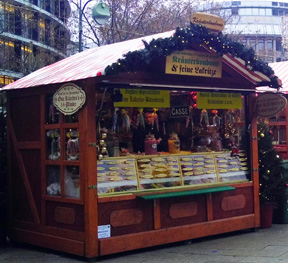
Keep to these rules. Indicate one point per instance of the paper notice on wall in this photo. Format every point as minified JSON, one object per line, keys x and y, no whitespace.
{"x":144,"y":98}
{"x":104,"y":231}
{"x":219,"y":100}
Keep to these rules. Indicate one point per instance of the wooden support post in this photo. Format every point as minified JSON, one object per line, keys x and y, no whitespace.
{"x":209,"y":207}
{"x":254,"y":157}
{"x":157,"y":214}
{"x":87,"y":131}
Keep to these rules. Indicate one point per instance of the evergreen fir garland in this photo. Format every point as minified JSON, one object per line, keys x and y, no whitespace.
{"x":183,"y":39}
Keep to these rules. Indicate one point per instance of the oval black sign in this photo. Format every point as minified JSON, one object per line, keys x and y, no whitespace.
{"x":269,"y":104}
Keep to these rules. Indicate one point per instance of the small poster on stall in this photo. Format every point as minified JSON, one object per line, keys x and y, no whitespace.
{"x":104,"y":231}
{"x":144,"y":98}
{"x":194,"y":63}
{"x":69,"y":98}
{"x":219,"y":100}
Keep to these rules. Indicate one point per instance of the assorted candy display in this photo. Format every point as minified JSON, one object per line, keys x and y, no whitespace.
{"x":117,"y":175}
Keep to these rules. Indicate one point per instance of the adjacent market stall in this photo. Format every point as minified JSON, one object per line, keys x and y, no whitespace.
{"x":78,"y":182}
{"x":279,"y":122}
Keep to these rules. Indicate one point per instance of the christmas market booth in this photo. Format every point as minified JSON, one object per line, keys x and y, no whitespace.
{"x":279,"y":122}
{"x":110,"y":153}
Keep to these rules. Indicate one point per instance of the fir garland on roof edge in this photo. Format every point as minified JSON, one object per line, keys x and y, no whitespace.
{"x":182,"y":39}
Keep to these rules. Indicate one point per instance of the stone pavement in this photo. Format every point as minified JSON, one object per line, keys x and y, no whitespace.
{"x":261,"y":246}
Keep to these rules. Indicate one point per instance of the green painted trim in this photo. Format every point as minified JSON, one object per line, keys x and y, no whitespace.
{"x":185,"y":193}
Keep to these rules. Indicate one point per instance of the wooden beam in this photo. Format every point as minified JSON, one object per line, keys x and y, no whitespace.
{"x":29,"y":145}
{"x":48,"y":241}
{"x":174,"y":234}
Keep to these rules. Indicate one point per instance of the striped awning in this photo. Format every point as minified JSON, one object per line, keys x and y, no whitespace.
{"x":281,"y":71}
{"x":92,"y":63}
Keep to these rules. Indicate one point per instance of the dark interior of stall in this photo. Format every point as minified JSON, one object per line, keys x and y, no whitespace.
{"x":199,"y":130}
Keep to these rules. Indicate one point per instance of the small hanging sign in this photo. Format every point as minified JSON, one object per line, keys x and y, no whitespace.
{"x":178,"y":112}
{"x":194,"y":63}
{"x":210,"y":21}
{"x":269,"y":104}
{"x":69,"y":98}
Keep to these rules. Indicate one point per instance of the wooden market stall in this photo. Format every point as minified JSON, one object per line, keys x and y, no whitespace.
{"x":279,"y":122}
{"x":66,"y":191}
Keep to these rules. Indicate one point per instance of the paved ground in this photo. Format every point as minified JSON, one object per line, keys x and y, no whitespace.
{"x":262,"y":246}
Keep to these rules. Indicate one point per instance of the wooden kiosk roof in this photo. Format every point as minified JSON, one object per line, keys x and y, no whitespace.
{"x":91,"y":63}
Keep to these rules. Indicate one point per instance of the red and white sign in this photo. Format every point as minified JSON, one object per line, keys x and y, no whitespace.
{"x":268,"y":104}
{"x":69,"y":98}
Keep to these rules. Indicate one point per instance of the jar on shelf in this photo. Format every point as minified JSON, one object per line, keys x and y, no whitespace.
{"x":216,"y":143}
{"x":174,"y":143}
{"x":150,"y":144}
{"x":113,"y":145}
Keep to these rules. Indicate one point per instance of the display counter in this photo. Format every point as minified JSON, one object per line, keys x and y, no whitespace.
{"x":134,"y":174}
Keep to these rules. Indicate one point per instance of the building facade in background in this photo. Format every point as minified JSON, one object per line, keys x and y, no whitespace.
{"x":33,"y":34}
{"x":262,"y":25}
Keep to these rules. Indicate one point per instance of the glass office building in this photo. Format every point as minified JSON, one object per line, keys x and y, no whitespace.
{"x":262,"y":25}
{"x":33,"y":34}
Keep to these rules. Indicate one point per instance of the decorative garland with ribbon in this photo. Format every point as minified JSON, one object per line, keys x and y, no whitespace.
{"x":183,"y":39}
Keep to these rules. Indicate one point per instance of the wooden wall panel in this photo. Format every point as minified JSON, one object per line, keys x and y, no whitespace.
{"x":57,"y":216}
{"x":223,"y":207}
{"x":32,"y":162}
{"x":19,"y":205}
{"x":183,"y":210}
{"x":126,"y":217}
{"x":143,"y":209}
{"x":64,"y":215}
{"x":25,"y":117}
{"x":25,"y":173}
{"x":186,"y":209}
{"x":230,"y":203}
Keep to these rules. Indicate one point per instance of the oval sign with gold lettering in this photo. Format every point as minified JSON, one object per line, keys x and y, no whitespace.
{"x":69,"y":98}
{"x":212,"y":22}
{"x":268,"y":104}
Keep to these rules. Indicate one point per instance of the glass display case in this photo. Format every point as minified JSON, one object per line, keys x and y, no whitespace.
{"x":116,"y":175}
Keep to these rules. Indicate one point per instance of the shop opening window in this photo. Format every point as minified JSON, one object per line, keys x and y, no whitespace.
{"x":72,"y":144}
{"x":180,"y":144}
{"x":52,"y":114}
{"x":72,"y":182}
{"x":53,"y":175}
{"x":53,"y":150}
{"x":62,"y":154}
{"x":73,"y":118}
